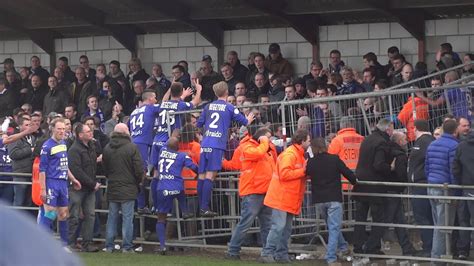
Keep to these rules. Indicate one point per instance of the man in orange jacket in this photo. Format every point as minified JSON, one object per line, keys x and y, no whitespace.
{"x":258,"y":166}
{"x":285,"y":196}
{"x":346,"y":145}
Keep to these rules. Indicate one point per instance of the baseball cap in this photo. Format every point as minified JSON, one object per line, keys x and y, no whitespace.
{"x":207,"y":58}
{"x":274,"y":48}
{"x":8,"y":61}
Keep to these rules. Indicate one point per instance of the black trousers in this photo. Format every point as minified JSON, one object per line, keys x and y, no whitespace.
{"x":371,"y":241}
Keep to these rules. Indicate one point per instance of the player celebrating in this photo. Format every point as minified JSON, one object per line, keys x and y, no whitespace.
{"x":141,"y":124}
{"x":217,"y":117}
{"x":175,"y":104}
{"x":53,"y":178}
{"x":171,"y":185}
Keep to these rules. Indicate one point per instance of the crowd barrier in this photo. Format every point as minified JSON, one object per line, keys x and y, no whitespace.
{"x":307,"y":227}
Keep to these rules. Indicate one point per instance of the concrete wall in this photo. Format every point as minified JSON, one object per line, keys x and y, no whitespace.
{"x":352,"y":40}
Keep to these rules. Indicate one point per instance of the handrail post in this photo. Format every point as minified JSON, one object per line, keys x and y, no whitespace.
{"x":446,"y":221}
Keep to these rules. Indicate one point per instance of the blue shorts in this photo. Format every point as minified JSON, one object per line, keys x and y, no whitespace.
{"x":57,"y":193}
{"x":144,"y":153}
{"x":155,"y":153}
{"x":165,"y":199}
{"x":210,"y":160}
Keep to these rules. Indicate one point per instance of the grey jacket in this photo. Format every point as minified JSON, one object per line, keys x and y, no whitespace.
{"x":21,"y":154}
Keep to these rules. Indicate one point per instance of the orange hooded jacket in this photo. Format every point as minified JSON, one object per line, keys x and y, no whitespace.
{"x":286,"y":190}
{"x":193,"y":150}
{"x":406,"y":115}
{"x":258,"y":166}
{"x":235,"y":163}
{"x":346,"y":145}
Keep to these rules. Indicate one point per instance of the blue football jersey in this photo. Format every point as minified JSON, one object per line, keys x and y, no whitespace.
{"x":217,"y":118}
{"x":141,"y":123}
{"x":5,"y":161}
{"x":170,"y":166}
{"x":53,"y":159}
{"x":176,"y":121}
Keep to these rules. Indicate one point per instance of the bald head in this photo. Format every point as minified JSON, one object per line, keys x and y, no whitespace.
{"x":304,"y":122}
{"x":121,"y":128}
{"x":173,"y":143}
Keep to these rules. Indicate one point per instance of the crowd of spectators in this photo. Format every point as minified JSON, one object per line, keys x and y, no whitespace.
{"x":96,"y":100}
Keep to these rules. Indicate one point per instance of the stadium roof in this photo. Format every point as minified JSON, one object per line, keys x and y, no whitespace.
{"x":43,"y":21}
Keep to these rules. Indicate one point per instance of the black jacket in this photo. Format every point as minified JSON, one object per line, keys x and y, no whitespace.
{"x":35,"y":97}
{"x":416,"y":164}
{"x":82,"y":161}
{"x":325,"y":171}
{"x":399,"y":173}
{"x":21,"y":155}
{"x":374,"y":165}
{"x":463,"y":165}
{"x":123,"y":168}
{"x":240,"y":71}
{"x":7,"y":103}
{"x":55,"y":101}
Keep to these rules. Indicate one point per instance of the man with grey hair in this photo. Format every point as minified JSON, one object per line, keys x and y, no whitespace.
{"x":375,"y":165}
{"x":394,"y":212}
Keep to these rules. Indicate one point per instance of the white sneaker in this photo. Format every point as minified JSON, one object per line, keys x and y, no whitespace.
{"x":139,"y":249}
{"x":67,"y":249}
{"x":117,"y":247}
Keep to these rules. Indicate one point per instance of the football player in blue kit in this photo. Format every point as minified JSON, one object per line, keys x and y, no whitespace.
{"x":53,"y":178}
{"x":216,"y":118}
{"x":175,"y":104}
{"x":171,"y":184}
{"x":141,"y":124}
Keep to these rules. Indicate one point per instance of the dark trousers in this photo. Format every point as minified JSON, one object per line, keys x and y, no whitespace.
{"x":372,"y":241}
{"x":465,"y":218}
{"x":394,"y":214}
{"x":423,"y":216}
{"x":85,"y":201}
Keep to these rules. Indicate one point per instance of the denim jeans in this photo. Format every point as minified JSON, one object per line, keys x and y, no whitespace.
{"x":439,"y":214}
{"x":84,"y":200}
{"x":252,"y":207}
{"x":6,"y":193}
{"x":423,"y":216}
{"x":127,"y":208}
{"x":332,"y":214}
{"x":20,"y":191}
{"x":277,"y":239}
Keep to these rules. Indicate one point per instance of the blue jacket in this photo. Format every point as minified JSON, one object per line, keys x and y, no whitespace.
{"x":439,"y":158}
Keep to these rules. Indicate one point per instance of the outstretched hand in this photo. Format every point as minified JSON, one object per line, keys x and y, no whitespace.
{"x":250,"y":117}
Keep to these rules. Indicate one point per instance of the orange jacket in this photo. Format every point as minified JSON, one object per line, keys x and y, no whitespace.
{"x":35,"y":184}
{"x":235,"y":163}
{"x":258,"y":167}
{"x":193,"y":149}
{"x":406,"y":115}
{"x":346,"y":145}
{"x":286,"y":190}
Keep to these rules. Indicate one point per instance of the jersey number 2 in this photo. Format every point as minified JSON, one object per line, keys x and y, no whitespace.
{"x":215,"y":118}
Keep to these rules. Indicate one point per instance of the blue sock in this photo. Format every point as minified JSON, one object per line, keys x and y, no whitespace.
{"x":161,"y":233}
{"x":45,"y":222}
{"x":153,"y":186}
{"x":206,"y":194}
{"x":199,"y":191}
{"x":63,"y":231}
{"x":183,"y":206}
{"x":141,"y":198}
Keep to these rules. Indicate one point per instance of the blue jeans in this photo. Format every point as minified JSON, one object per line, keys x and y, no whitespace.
{"x":439,"y":214}
{"x":423,"y":216}
{"x":127,"y":208}
{"x":20,"y":191}
{"x":252,"y":206}
{"x":277,"y":239}
{"x":332,"y":213}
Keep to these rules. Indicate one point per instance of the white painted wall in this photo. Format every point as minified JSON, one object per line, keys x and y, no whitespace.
{"x":168,"y":48}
